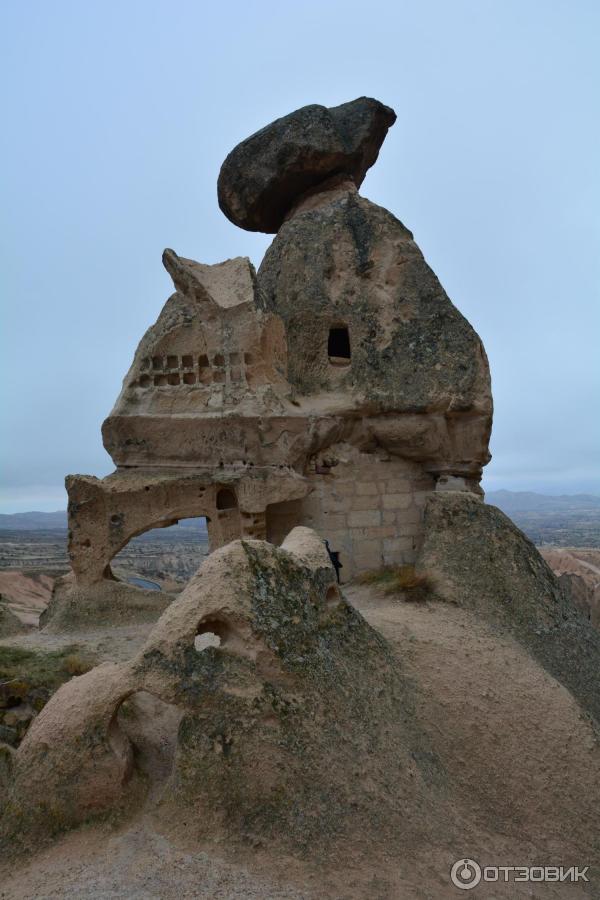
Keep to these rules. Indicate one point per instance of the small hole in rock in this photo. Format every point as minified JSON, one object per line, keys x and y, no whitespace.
{"x":211,"y":633}
{"x":206,"y":640}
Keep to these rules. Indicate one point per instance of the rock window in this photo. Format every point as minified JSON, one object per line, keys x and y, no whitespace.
{"x":338,"y":346}
{"x":187,"y":361}
{"x":211,"y":633}
{"x":172,"y":362}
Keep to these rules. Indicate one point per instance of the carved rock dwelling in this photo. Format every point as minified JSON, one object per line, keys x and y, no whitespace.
{"x":334,"y":388}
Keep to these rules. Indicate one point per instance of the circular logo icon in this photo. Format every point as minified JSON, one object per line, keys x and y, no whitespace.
{"x":465,"y":874}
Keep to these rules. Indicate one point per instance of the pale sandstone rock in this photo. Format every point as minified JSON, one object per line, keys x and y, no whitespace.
{"x":578,"y":571}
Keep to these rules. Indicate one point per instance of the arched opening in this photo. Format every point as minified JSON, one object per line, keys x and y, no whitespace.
{"x":226,"y":499}
{"x":338,"y":345}
{"x":163,"y":558}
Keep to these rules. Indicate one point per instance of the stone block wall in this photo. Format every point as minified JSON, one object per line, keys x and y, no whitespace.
{"x":368,"y":506}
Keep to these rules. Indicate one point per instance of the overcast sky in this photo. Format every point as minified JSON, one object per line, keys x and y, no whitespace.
{"x":117,"y":115}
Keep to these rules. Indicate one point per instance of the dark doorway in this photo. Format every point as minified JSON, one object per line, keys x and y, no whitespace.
{"x":226,"y":499}
{"x":338,"y":346}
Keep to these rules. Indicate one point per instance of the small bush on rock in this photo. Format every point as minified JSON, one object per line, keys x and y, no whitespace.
{"x":413,"y":586}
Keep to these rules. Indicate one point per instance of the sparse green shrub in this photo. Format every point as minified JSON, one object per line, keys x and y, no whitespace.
{"x":414,"y":586}
{"x":28,"y":678}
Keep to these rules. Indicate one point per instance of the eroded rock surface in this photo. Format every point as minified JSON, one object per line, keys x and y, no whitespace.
{"x":295,"y":716}
{"x":333,"y":389}
{"x":480,"y":560}
{"x":578,"y":571}
{"x":265,"y":175}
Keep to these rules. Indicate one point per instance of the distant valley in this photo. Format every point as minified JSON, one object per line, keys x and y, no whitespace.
{"x":559,"y":521}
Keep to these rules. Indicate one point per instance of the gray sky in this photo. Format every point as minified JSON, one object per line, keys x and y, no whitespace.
{"x":117,"y":116}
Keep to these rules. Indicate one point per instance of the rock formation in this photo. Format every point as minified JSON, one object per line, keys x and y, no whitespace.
{"x":254,"y":655}
{"x":338,"y":388}
{"x":280,"y":719}
{"x":478,"y":559}
{"x":335,"y":388}
{"x":578,"y":571}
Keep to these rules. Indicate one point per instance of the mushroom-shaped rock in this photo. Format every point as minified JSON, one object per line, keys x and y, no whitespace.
{"x":266,"y":175}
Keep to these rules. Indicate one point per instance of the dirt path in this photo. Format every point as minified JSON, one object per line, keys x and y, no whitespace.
{"x":136,"y":864}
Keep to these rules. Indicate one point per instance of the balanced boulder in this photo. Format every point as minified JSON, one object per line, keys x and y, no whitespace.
{"x":265,"y":176}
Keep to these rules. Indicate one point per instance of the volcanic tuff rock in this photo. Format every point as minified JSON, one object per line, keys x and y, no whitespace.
{"x":254,"y":655}
{"x":338,"y":388}
{"x":411,"y":349}
{"x":578,"y":571}
{"x":265,"y":175}
{"x":334,"y":389}
{"x":478,"y":559}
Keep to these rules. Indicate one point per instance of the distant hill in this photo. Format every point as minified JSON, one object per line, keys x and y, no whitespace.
{"x":53,"y":521}
{"x":34,"y":521}
{"x":568,"y":520}
{"x":527,"y":501}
